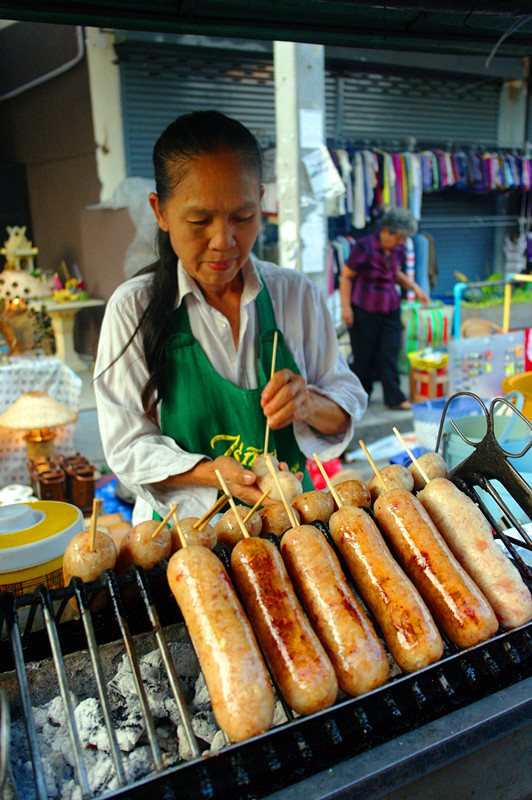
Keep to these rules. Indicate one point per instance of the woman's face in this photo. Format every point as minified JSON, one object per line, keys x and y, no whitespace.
{"x":213,"y":218}
{"x":389,"y":240}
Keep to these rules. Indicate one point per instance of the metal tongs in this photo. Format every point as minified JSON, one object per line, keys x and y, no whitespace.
{"x":491,"y":461}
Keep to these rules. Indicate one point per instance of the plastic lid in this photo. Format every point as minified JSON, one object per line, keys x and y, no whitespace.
{"x":18,"y":517}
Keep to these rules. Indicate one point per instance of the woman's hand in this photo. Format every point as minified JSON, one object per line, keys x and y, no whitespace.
{"x":420,"y":294}
{"x":240,"y":481}
{"x":348,"y":317}
{"x":285,"y":399}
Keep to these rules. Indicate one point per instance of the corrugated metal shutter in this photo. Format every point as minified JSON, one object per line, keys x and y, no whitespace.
{"x":161,"y":81}
{"x":393,"y":108}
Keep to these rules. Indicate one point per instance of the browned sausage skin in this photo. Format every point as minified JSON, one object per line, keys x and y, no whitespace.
{"x":468,"y":534}
{"x":139,"y":546}
{"x":456,"y":602}
{"x":353,"y":493}
{"x":432,"y":464}
{"x":344,"y":630}
{"x":235,"y":673}
{"x":88,"y":565}
{"x":313,"y":506}
{"x":395,"y":476}
{"x":405,"y":621}
{"x":297,"y":659}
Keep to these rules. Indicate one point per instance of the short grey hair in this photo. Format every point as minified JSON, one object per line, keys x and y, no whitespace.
{"x":399,"y":220}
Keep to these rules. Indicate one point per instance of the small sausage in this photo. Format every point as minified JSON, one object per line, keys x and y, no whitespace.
{"x":206,"y":537}
{"x":432,"y":464}
{"x":235,"y":673}
{"x":80,"y":562}
{"x":453,"y":598}
{"x":275,"y":519}
{"x":395,"y":476}
{"x":312,"y":506}
{"x":290,"y":484}
{"x":468,"y":534}
{"x":228,"y":530}
{"x":342,"y":626}
{"x":405,"y":621}
{"x":353,"y":493}
{"x":296,"y":657}
{"x":139,"y":546}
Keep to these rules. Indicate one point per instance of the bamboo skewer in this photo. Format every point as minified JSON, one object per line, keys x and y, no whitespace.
{"x":96,"y":506}
{"x":373,"y":465}
{"x":271,"y":376}
{"x":257,"y":504}
{"x":163,"y":522}
{"x":288,"y":508}
{"x":327,"y":480}
{"x":179,"y":529}
{"x":412,"y":456}
{"x":223,"y":484}
{"x":205,"y":519}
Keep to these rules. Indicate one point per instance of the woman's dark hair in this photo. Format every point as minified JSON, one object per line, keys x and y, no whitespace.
{"x":184,"y":140}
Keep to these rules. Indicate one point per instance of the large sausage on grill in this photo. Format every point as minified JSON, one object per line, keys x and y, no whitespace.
{"x":234,"y":670}
{"x":468,"y":533}
{"x":453,"y":598}
{"x":297,"y":659}
{"x":344,"y":630}
{"x":405,"y":621}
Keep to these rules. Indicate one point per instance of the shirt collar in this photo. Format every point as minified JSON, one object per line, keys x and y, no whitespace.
{"x":187,"y":285}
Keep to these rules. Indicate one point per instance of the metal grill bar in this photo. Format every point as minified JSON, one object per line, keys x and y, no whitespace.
{"x":100,"y":683}
{"x":53,"y":637}
{"x":135,"y":669}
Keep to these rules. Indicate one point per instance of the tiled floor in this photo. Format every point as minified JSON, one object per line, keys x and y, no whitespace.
{"x":376,"y":424}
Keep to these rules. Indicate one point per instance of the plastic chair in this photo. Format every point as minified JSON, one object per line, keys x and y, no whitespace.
{"x":522,"y":383}
{"x":476,"y":326}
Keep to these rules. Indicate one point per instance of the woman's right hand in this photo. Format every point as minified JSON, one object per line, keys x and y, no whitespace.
{"x":348,"y":317}
{"x":240,"y":481}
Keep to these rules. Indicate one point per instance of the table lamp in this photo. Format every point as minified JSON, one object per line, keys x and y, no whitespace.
{"x":38,"y":414}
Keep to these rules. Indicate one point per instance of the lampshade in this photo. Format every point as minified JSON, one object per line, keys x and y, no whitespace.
{"x":37,"y":410}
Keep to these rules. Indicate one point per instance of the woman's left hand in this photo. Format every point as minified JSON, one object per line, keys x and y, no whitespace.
{"x":421,"y":295}
{"x":285,"y":399}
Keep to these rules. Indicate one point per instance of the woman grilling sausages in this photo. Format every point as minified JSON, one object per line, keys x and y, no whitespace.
{"x":186,"y":345}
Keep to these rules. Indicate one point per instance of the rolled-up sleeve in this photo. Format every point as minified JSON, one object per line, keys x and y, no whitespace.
{"x":136,"y":450}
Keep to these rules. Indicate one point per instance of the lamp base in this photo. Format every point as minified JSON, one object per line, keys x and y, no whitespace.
{"x":40,"y":443}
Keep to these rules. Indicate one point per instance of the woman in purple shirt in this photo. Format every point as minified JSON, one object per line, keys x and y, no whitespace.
{"x":370,"y":303}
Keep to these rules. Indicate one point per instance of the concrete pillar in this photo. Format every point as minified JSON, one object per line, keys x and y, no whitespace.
{"x":300,"y":129}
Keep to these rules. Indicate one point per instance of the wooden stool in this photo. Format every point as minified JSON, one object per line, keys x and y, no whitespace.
{"x":428,"y":384}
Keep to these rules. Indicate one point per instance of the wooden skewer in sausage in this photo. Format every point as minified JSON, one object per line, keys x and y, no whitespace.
{"x":228,"y":529}
{"x":224,"y":642}
{"x":336,"y":615}
{"x":404,"y":619}
{"x":88,"y":554}
{"x":468,"y":534}
{"x":301,"y":668}
{"x":145,"y":544}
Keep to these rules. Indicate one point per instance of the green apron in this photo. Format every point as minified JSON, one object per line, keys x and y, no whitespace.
{"x":205,"y":413}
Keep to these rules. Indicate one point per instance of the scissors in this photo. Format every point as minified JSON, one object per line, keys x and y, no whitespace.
{"x":490,"y":460}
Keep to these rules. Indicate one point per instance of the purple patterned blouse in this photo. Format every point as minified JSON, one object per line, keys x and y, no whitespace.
{"x":374,"y":287}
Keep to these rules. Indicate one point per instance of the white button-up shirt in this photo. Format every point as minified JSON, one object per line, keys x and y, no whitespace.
{"x":137,"y":451}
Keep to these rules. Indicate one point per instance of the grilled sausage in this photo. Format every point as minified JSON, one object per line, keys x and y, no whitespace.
{"x":432,"y":464}
{"x":275,"y":519}
{"x":313,"y":506}
{"x":139,"y":546}
{"x":297,"y":659}
{"x":468,"y":534}
{"x":395,"y":476}
{"x":353,"y":493}
{"x":290,"y":484}
{"x":80,"y":562}
{"x":452,"y":596}
{"x":234,"y":670}
{"x":405,"y":621}
{"x":344,"y":630}
{"x":206,"y":537}
{"x":227,"y":529}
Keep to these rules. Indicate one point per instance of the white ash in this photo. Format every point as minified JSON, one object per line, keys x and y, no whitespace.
{"x":54,"y":739}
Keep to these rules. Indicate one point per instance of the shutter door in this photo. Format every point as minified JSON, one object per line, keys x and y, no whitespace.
{"x":160,"y":82}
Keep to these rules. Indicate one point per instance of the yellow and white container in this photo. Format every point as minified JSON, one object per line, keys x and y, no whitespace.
{"x":33,"y":539}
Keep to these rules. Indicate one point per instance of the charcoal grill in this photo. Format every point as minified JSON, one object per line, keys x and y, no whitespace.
{"x":363,"y":746}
